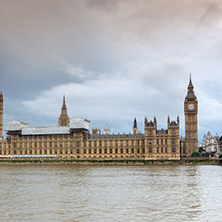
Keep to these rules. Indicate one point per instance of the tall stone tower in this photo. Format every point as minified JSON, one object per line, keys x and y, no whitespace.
{"x":64,"y":119}
{"x":1,"y":114}
{"x":190,"y":111}
{"x":135,"y":128}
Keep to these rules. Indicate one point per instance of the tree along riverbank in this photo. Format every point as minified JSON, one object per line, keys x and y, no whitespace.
{"x":186,"y":161}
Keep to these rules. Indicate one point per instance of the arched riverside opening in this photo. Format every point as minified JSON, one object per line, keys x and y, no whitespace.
{"x":220,"y":159}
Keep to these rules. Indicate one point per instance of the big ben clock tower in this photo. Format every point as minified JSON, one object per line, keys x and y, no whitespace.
{"x":190,"y":110}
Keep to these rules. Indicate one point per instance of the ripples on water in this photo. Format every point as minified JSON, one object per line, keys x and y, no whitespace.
{"x":110,"y":193}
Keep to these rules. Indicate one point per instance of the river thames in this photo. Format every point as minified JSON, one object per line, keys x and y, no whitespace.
{"x":110,"y":193}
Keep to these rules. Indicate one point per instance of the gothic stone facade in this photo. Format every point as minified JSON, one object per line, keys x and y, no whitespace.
{"x":79,"y":143}
{"x":72,"y":139}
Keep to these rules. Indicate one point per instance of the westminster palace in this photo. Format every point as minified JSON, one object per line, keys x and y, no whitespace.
{"x":72,"y":138}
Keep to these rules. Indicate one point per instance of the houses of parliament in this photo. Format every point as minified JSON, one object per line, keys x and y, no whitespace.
{"x":73,"y":139}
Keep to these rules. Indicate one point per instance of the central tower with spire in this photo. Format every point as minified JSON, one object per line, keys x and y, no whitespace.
{"x":190,"y":111}
{"x":135,"y":128}
{"x":64,"y":119}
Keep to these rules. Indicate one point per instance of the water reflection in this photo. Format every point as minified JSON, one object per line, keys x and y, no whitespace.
{"x":110,"y":193}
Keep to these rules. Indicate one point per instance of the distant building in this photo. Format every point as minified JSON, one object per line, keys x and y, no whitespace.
{"x":106,"y":131}
{"x":211,"y":144}
{"x":220,"y":144}
{"x":72,"y":137}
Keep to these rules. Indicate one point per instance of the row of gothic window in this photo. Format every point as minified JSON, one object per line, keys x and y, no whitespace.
{"x":90,"y":151}
{"x":61,"y":144}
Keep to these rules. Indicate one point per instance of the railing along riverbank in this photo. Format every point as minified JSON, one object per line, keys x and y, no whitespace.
{"x":116,"y":161}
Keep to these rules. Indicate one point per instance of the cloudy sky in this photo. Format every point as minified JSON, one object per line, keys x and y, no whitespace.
{"x":113,"y":59}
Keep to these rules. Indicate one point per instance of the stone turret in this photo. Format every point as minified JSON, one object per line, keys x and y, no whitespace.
{"x":96,"y":131}
{"x":155,"y":122}
{"x":135,"y":128}
{"x":64,"y":119}
{"x":106,"y":131}
{"x":168,"y":121}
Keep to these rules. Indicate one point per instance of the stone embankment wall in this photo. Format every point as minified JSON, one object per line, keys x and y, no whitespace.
{"x":184,"y":161}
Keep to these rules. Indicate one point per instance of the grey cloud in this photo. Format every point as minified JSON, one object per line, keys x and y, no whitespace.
{"x":107,"y":5}
{"x":121,"y":59}
{"x":118,"y":96}
{"x":212,"y":14}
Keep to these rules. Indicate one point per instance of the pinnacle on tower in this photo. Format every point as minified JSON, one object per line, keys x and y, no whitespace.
{"x":154,"y":120}
{"x":190,"y":83}
{"x":190,"y":90}
{"x":135,"y":123}
{"x":145,"y":121}
{"x":64,"y":109}
{"x":64,"y":119}
{"x":135,"y":129}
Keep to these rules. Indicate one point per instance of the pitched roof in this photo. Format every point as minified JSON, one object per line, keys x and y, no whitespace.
{"x":190,"y":83}
{"x":191,"y":95}
{"x":45,"y":130}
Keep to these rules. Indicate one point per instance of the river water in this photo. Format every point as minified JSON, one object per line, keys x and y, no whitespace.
{"x":110,"y":193}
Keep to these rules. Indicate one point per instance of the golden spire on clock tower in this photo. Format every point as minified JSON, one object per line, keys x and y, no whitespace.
{"x":64,"y":119}
{"x":190,"y":86}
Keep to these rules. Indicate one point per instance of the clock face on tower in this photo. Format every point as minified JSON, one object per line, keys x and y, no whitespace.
{"x":191,"y":106}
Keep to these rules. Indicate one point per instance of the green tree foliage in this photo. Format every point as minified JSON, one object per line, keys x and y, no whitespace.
{"x":200,"y":149}
{"x":196,"y":153}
